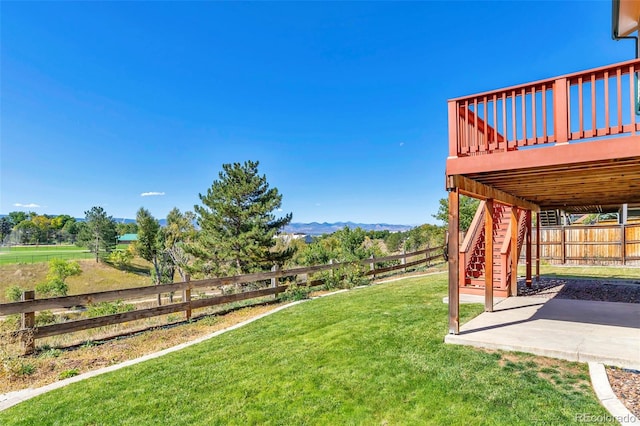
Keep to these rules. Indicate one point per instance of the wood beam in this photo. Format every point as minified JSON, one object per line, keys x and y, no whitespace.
{"x":514,"y":252}
{"x":538,"y":247}
{"x":488,"y":255}
{"x":615,"y":149}
{"x":454,"y":256}
{"x":528,"y":247}
{"x":479,"y":190}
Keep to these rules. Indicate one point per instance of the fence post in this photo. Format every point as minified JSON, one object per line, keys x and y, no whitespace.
{"x":274,"y":280}
{"x":332,"y":269}
{"x":186,"y":297}
{"x":623,"y":242}
{"x":372,"y":266}
{"x":403,"y":261}
{"x":563,"y":247}
{"x":27,"y":325}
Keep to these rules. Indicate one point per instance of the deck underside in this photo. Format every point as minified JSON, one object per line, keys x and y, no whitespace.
{"x":554,"y":178}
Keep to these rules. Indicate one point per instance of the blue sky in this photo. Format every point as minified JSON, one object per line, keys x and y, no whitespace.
{"x":343,"y":104}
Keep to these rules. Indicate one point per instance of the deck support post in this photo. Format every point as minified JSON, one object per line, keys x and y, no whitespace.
{"x":538,"y":247}
{"x":528,"y":247}
{"x":453,"y":250}
{"x":488,"y":255}
{"x":513,"y":285}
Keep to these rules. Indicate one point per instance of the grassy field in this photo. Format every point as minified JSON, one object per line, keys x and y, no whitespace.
{"x":369,"y":356}
{"x":94,"y":277}
{"x":39,"y":254}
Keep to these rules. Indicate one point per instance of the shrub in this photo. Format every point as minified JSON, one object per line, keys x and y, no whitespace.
{"x":44,"y":318}
{"x":52,"y":287}
{"x":47,"y":351}
{"x":109,"y":308}
{"x":295,"y":292}
{"x":120,"y":258}
{"x":345,"y":276}
{"x":16,"y":367}
{"x":60,"y":269}
{"x":68,"y":373}
{"x":353,"y":275}
{"x":10,"y":323}
{"x":14,"y":293}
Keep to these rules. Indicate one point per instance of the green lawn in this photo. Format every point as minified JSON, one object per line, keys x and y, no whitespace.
{"x":36,"y":254}
{"x":366,"y":357}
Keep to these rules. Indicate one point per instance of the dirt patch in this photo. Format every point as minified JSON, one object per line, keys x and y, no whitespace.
{"x":568,"y":375}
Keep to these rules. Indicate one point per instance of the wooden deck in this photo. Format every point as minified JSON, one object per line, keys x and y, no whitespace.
{"x":570,"y":142}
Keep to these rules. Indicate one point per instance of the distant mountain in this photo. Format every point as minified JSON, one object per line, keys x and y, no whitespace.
{"x":315,"y":228}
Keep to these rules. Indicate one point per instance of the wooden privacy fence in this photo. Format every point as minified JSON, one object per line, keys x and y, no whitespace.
{"x":29,"y":305}
{"x":590,"y":245}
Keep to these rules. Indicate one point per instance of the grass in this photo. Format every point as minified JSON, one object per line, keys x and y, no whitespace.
{"x":369,"y":356}
{"x":562,"y":271}
{"x":37,"y":254}
{"x":94,"y":277}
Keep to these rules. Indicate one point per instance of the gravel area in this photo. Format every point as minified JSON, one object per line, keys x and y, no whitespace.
{"x":625,"y":383}
{"x":626,"y":291}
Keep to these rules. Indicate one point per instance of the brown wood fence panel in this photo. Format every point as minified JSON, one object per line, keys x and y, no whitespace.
{"x":590,"y":245}
{"x":632,"y":238}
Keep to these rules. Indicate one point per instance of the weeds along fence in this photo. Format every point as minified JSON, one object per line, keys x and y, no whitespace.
{"x":301,"y":277}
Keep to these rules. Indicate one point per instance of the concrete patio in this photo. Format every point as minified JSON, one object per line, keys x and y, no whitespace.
{"x":575,"y":330}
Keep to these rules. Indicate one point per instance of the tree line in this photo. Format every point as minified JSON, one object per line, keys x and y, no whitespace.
{"x":232,"y":231}
{"x":20,"y":227}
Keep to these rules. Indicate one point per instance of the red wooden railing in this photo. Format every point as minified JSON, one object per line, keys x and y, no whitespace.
{"x":585,"y":105}
{"x":474,"y":235}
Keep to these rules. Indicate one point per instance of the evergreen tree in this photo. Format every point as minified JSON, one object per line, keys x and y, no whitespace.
{"x":98,"y":233}
{"x":5,"y":228}
{"x":237,"y":223}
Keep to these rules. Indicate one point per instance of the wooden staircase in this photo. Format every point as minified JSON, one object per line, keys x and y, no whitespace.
{"x":473,"y":251}
{"x":549,"y":218}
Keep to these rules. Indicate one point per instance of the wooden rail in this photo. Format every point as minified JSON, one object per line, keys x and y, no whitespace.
{"x":29,"y":305}
{"x":590,"y":104}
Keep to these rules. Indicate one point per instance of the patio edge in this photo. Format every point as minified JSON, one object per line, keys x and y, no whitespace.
{"x":607,"y":398}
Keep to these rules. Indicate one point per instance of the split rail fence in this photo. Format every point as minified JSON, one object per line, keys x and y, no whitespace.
{"x":29,"y":305}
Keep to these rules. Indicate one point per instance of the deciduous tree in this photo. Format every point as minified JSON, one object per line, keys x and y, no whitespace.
{"x":150,"y":246}
{"x":179,"y":232}
{"x":468,"y":207}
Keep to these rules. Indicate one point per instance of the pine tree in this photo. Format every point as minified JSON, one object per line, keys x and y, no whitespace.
{"x":237,"y":223}
{"x":98,"y":232}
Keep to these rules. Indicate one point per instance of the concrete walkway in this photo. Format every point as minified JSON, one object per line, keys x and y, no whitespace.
{"x":575,"y":330}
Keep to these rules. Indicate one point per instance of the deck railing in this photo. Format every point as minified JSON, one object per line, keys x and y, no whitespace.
{"x":590,"y":104}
